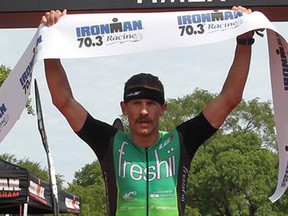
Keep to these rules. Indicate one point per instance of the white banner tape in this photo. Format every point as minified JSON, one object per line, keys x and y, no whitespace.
{"x":94,"y":35}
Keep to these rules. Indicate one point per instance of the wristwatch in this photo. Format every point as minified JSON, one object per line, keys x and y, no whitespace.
{"x":248,"y":41}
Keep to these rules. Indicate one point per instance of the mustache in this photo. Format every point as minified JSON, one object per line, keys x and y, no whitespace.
{"x":143,"y":119}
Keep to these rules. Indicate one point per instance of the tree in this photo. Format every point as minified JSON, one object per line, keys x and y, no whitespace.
{"x":4,"y":72}
{"x":236,"y":170}
{"x":89,"y":184}
{"x":254,"y":116}
{"x":248,"y":116}
{"x":90,"y":174}
{"x":34,"y":168}
{"x":182,"y":109}
{"x":233,"y":173}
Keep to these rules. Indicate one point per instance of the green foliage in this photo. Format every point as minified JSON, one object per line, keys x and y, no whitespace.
{"x":9,"y":158}
{"x":90,"y":174}
{"x":34,"y":168}
{"x":182,"y":109}
{"x":254,"y":116}
{"x":192,"y":211}
{"x":4,"y":72}
{"x":235,"y":172}
{"x":233,"y":175}
{"x":92,"y":199}
{"x":89,"y":184}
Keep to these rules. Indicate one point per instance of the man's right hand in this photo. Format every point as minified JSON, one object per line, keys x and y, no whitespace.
{"x":52,"y":17}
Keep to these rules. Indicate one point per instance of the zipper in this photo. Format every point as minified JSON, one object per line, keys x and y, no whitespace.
{"x":147,"y":182}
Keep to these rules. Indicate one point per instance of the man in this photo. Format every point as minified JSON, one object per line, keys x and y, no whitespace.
{"x":146,"y":171}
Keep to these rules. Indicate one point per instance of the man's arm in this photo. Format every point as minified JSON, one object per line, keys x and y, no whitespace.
{"x":230,"y":96}
{"x":58,"y":83}
{"x":62,"y":96}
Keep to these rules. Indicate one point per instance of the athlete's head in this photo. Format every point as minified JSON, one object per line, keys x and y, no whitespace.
{"x":143,"y":104}
{"x":144,"y":86}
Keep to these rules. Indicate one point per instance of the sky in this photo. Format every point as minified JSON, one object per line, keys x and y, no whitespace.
{"x":98,"y":83}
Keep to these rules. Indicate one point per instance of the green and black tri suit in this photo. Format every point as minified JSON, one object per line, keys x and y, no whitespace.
{"x":146,"y":181}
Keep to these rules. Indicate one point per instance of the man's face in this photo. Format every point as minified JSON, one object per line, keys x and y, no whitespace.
{"x":143,"y":116}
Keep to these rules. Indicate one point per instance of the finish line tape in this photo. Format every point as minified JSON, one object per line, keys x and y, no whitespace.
{"x":95,"y":35}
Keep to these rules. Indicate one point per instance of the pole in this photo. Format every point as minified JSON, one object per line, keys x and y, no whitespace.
{"x":42,"y":131}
